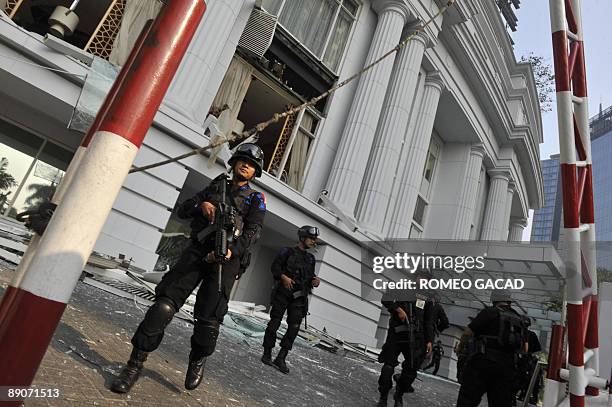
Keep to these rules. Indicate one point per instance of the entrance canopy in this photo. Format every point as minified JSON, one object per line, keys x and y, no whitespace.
{"x":535,"y":271}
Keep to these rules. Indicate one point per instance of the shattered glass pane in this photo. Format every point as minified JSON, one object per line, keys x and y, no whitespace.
{"x":48,"y":172}
{"x":100,"y":78}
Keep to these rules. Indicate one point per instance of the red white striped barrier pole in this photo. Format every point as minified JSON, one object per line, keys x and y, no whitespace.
{"x":30,"y":313}
{"x":72,"y":169}
{"x":554,"y":389}
{"x":579,"y":219}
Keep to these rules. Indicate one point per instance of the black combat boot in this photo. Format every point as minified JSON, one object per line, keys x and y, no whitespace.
{"x":396,"y":377}
{"x":267,"y":356}
{"x":382,"y":401}
{"x":279,"y":362}
{"x":397,"y":396}
{"x":130,"y":373}
{"x":195,"y":371}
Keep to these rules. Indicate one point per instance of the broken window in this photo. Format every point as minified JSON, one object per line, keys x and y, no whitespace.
{"x":104,"y":28}
{"x":321,"y":26}
{"x":286,"y":144}
{"x":30,"y":169}
{"x":291,"y":153}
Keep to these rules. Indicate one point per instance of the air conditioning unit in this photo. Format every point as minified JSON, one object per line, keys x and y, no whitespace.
{"x":259,"y":32}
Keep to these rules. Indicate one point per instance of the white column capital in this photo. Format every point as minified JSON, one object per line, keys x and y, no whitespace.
{"x":515,"y":231}
{"x":497,"y":173}
{"x":511,"y":186}
{"x":398,"y":6}
{"x":434,"y":79}
{"x":518,"y":221}
{"x":478,"y":149}
{"x":420,"y":36}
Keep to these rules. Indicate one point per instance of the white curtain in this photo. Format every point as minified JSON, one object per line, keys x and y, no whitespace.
{"x":299,"y":153}
{"x":234,"y":87}
{"x":135,"y":15}
{"x":309,"y":21}
{"x":338,"y":40}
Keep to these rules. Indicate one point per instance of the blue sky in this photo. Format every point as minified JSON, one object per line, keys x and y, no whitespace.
{"x":533,"y":35}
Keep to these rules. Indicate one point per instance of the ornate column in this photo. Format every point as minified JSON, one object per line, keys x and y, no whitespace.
{"x":517,"y":225}
{"x":349,"y":164}
{"x":188,"y":89}
{"x":495,"y":210}
{"x":413,"y":158}
{"x":389,"y":134}
{"x":506,"y":222}
{"x":468,"y":193}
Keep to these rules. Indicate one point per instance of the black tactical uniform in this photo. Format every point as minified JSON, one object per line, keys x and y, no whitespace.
{"x":499,"y":335}
{"x":407,"y":337}
{"x":526,"y":368}
{"x":439,"y":316}
{"x":191,"y":270}
{"x":438,"y":352}
{"x":299,"y":265}
{"x":183,"y":278}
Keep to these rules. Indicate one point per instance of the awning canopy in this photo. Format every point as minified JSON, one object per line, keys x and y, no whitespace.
{"x":538,"y":265}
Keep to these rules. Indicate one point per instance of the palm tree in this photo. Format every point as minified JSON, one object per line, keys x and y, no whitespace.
{"x":6,"y":180}
{"x":40,"y":193}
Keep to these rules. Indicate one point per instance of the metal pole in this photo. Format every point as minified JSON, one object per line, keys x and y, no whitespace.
{"x":532,"y":381}
{"x":579,"y":219}
{"x":30,"y":313}
{"x":586,"y":203}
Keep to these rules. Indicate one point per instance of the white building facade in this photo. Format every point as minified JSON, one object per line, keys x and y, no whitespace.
{"x":438,"y":141}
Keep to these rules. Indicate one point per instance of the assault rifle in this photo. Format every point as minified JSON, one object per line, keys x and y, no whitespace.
{"x":225,"y":220}
{"x":303,"y":293}
{"x":409,"y":325}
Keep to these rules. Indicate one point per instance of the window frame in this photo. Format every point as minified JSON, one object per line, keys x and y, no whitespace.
{"x":435,"y":149}
{"x":45,"y":140}
{"x":313,"y":144}
{"x":340,"y":7}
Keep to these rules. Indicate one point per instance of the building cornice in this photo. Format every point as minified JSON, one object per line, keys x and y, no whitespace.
{"x":460,"y":12}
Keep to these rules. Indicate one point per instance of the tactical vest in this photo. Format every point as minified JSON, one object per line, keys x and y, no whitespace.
{"x":511,"y":333}
{"x":415,"y":316}
{"x":237,"y":199}
{"x":297,"y":265}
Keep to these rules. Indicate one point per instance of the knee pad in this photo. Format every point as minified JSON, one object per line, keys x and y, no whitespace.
{"x":275,"y":323}
{"x":277,"y":312}
{"x":294,"y":319}
{"x":159,"y":316}
{"x":205,"y":334}
{"x":293,"y":327}
{"x":387,"y":370}
{"x":384,"y":381}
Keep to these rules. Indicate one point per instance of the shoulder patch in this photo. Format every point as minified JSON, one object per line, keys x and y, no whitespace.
{"x":262,"y":200}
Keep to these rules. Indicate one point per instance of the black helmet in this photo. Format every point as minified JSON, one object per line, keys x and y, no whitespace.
{"x":308,"y":231}
{"x":250,"y":152}
{"x":501,"y":296}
